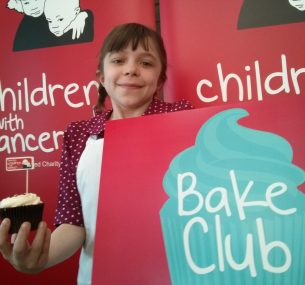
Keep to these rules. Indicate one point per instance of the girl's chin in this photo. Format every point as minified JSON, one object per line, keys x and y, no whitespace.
{"x":134,"y":104}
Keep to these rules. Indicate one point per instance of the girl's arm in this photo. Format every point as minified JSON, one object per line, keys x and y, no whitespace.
{"x":65,"y":241}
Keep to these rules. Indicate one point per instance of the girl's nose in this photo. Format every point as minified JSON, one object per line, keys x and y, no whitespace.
{"x":131,"y":69}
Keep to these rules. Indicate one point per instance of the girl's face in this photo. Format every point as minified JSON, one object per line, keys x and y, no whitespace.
{"x":131,"y":78}
{"x":33,"y":8}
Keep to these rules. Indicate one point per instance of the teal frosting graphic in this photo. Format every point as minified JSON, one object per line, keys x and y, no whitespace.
{"x":235,"y":214}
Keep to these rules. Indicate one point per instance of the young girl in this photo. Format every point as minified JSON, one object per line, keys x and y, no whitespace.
{"x":131,"y":71}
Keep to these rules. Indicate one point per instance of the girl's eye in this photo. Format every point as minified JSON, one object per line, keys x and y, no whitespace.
{"x":117,"y":60}
{"x":146,"y":63}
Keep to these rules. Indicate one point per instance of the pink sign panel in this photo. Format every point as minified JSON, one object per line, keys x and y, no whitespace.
{"x":206,"y":196}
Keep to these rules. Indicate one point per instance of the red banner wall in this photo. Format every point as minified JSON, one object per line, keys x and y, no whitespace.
{"x":233,"y":51}
{"x":41,"y":90}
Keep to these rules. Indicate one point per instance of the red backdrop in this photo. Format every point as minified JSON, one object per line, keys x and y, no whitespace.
{"x":206,"y":49}
{"x":21,"y":73}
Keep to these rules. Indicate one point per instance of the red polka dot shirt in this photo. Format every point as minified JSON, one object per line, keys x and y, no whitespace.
{"x":69,"y":208}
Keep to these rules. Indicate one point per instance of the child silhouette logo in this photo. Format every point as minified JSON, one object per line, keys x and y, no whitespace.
{"x":262,"y":13}
{"x":299,"y":4}
{"x":48,"y":23}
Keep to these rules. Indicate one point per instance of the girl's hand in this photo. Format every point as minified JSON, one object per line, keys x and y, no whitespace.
{"x":23,"y":256}
{"x":77,"y":25}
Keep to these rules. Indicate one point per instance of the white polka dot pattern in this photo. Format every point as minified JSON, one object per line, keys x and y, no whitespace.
{"x":69,"y":209}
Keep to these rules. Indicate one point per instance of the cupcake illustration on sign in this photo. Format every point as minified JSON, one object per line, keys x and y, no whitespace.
{"x":235,"y":214}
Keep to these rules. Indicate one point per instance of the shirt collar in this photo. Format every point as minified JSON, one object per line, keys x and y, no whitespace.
{"x":96,"y":125}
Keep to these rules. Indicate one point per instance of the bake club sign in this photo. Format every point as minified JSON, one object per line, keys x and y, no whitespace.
{"x":207,"y":196}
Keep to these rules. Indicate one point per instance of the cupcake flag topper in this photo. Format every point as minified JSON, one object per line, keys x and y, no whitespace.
{"x":21,"y":163}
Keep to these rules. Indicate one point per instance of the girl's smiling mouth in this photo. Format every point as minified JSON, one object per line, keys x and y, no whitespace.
{"x":130,"y":85}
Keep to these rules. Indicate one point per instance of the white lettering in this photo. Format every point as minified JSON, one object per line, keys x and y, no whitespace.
{"x":283,"y":75}
{"x":187,"y":250}
{"x":245,"y":91}
{"x":190,"y":191}
{"x":46,"y":142}
{"x":267,"y":248}
{"x":24,"y":98}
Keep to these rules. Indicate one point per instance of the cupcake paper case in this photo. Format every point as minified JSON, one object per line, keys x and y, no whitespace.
{"x":21,"y":208}
{"x":234,"y":213}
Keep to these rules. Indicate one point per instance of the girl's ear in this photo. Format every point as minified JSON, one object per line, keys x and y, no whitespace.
{"x":100,"y":77}
{"x":160,"y":85}
{"x":159,"y":88}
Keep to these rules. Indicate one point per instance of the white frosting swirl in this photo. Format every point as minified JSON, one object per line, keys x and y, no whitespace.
{"x":20,"y":200}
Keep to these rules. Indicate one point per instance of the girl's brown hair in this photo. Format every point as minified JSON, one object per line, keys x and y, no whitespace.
{"x":119,"y":38}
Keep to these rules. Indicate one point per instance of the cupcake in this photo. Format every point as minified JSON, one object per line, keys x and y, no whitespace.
{"x":20,"y":208}
{"x":235,"y":214}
